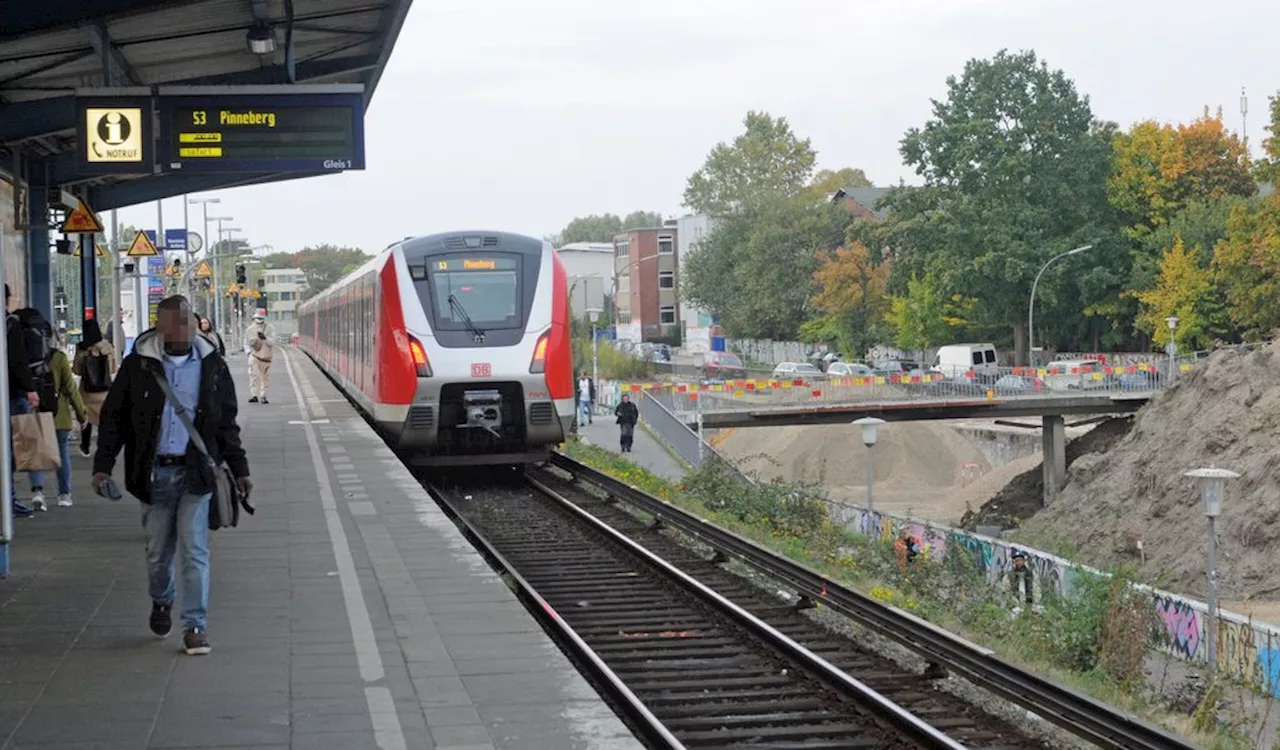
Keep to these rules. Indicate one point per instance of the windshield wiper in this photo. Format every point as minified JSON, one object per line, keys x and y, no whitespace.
{"x":461,"y":312}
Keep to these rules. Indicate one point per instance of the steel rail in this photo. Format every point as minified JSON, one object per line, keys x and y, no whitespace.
{"x":1079,"y":714}
{"x":907,"y":722}
{"x":649,"y":726}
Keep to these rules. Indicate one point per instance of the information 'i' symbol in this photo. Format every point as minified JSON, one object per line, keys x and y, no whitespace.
{"x":113,"y":128}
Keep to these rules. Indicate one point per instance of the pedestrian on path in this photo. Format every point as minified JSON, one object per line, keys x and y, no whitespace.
{"x":68,"y":397}
{"x":163,"y":468}
{"x":628,"y":415}
{"x":96,"y":364}
{"x":260,"y":343}
{"x":586,"y":395}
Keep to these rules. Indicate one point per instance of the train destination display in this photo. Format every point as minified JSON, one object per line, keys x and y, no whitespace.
{"x":263,"y":133}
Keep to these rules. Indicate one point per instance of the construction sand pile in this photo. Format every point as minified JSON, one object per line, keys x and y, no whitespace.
{"x":1224,"y":413}
{"x":921,"y":467}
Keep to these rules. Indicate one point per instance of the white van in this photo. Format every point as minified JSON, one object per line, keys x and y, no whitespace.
{"x":957,"y":360}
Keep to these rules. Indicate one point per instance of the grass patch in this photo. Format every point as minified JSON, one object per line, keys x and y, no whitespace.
{"x":1093,"y":641}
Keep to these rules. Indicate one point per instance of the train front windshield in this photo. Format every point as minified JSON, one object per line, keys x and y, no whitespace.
{"x":471,"y":291}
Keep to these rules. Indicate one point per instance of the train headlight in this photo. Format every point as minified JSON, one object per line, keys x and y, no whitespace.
{"x":419,"y":358}
{"x":539,"y":363}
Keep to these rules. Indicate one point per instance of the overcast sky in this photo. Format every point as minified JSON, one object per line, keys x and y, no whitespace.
{"x":519,"y":115}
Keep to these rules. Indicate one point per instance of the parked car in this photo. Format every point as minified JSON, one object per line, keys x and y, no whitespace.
{"x":792,"y":370}
{"x":722,"y":366}
{"x":1018,"y":385}
{"x":849,"y":370}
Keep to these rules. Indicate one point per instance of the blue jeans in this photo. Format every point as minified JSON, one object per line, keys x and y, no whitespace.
{"x":175,"y":516}
{"x":584,"y":409}
{"x":19,"y":405}
{"x":64,"y":471}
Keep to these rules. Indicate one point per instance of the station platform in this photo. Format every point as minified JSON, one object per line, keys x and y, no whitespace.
{"x":349,"y":613}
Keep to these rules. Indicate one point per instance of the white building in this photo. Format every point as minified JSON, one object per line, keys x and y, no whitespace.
{"x":283,"y":289}
{"x":589,"y":266}
{"x":691,"y":229}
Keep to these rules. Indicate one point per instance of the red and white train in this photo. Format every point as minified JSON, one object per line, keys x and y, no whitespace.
{"x":456,"y":345}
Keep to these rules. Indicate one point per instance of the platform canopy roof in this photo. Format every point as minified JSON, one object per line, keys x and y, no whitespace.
{"x":50,"y":48}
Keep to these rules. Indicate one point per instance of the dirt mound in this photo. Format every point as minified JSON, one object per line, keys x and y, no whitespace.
{"x":920,"y":466}
{"x":1224,"y":413}
{"x":1022,"y":497}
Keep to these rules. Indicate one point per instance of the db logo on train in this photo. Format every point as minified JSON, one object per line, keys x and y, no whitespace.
{"x":481,"y":370}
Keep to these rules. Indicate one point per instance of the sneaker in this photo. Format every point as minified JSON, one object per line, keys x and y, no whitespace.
{"x":195,"y":643}
{"x":84,"y":451}
{"x":253,"y":400}
{"x":161,"y":621}
{"x":37,"y":501}
{"x":21,"y":510}
{"x":264,"y":400}
{"x":64,"y":500}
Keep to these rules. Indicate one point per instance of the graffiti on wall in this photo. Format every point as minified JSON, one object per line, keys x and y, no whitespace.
{"x":1246,"y":651}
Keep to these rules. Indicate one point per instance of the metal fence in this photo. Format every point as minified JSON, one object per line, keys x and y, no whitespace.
{"x":1004,"y":384}
{"x":673,"y":428}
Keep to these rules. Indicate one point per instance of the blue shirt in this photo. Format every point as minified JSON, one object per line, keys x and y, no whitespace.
{"x":183,"y":373}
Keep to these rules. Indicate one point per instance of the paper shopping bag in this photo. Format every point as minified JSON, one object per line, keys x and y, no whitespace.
{"x":35,"y":442}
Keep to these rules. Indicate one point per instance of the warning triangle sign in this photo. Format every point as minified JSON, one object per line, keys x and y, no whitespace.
{"x":81,"y":220}
{"x":100,"y":251}
{"x":142,"y":246}
{"x":203,"y":271}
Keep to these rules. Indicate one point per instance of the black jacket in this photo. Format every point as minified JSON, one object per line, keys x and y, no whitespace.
{"x":627,"y":413}
{"x":131,"y":418}
{"x":21,"y":379}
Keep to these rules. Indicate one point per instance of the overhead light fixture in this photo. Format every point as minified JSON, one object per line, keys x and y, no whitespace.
{"x":262,"y":39}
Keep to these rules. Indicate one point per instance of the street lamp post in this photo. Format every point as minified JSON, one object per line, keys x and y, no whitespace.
{"x":1172,"y":322}
{"x":594,"y":314}
{"x":869,"y":425}
{"x":1212,"y":482}
{"x":1031,"y":312}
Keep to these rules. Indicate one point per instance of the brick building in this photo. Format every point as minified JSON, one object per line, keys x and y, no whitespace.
{"x":646,"y":267}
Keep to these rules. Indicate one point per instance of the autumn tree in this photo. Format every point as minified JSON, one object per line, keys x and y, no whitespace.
{"x":1015,"y":170}
{"x":765,"y":163}
{"x":1187,"y":289}
{"x":851,"y":298}
{"x":1248,"y":265}
{"x":1159,"y":169}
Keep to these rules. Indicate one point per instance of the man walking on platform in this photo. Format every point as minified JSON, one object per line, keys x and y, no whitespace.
{"x":164,"y":468}
{"x":628,"y":415}
{"x":260,"y":343}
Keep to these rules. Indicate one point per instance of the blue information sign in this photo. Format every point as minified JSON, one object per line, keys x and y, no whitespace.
{"x":262,"y":129}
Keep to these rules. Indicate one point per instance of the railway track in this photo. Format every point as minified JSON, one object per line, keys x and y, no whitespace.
{"x":697,"y":656}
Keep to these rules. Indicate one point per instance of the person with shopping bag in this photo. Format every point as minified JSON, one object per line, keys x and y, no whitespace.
{"x":173,"y":378}
{"x":33,"y":443}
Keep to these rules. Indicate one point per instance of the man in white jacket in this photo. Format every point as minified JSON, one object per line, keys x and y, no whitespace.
{"x":260,"y":343}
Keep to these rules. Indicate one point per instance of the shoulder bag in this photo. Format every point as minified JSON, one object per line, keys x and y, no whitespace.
{"x":224,"y":506}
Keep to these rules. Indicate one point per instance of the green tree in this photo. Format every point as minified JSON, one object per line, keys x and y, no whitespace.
{"x":1015,"y":169}
{"x":919,"y":318}
{"x":766,"y":162}
{"x":1188,"y":290}
{"x":755,"y":269}
{"x":1267,"y":169}
{"x":642,"y":220}
{"x":826,"y":181}
{"x":323,"y":264}
{"x":1248,"y":265}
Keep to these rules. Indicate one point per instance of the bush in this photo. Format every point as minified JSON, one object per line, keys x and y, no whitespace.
{"x":612,"y":364}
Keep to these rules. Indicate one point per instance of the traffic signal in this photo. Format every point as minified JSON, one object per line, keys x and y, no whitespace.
{"x":262,"y":283}
{"x":241,"y":277}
